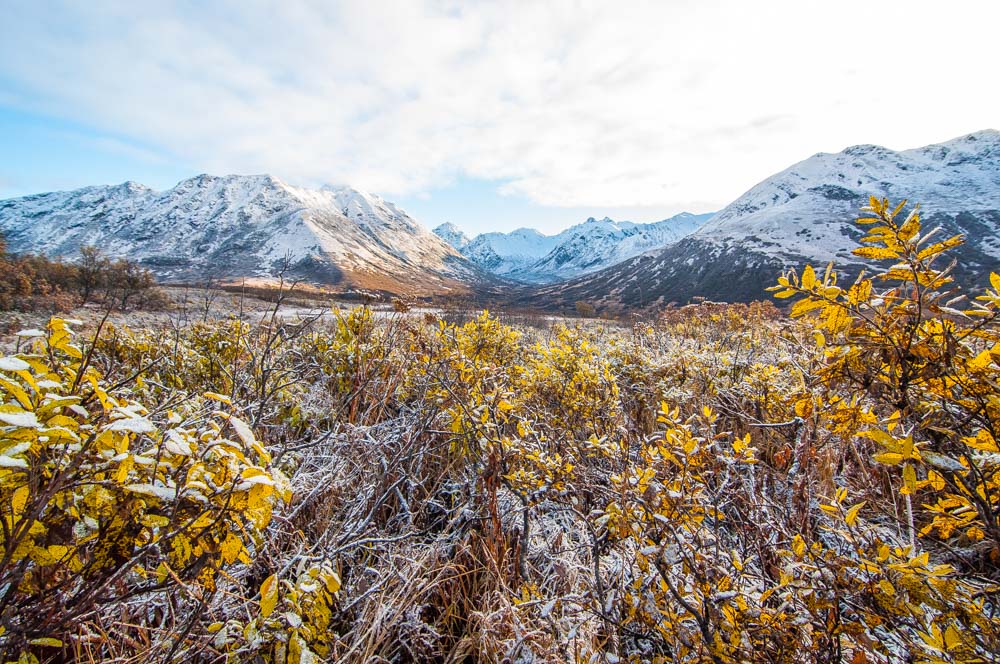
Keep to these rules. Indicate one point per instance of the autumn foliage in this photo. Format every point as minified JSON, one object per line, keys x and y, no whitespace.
{"x":36,"y":283}
{"x":723,"y":483}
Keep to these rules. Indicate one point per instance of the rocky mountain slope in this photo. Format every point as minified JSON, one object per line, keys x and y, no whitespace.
{"x":528,"y":256}
{"x":235,"y":227}
{"x":805,"y":214}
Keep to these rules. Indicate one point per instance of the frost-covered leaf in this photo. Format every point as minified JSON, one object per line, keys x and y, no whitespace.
{"x":243,"y":430}
{"x":160,"y":491}
{"x":12,"y":462}
{"x":133,"y":425}
{"x":13,"y":364}
{"x":23,"y":419}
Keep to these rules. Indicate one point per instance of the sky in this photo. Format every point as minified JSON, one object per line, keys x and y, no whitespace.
{"x":490,"y":115}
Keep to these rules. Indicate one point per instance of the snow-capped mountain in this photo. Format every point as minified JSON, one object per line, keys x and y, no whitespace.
{"x":806,"y":214}
{"x":452,"y":234}
{"x":238,"y":226}
{"x":529,"y":256}
{"x":597,"y":244}
{"x":509,"y":254}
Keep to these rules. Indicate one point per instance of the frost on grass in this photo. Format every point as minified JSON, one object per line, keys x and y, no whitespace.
{"x":716,"y":483}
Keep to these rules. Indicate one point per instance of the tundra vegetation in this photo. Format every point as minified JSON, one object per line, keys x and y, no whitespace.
{"x":32,"y":283}
{"x":724,"y":483}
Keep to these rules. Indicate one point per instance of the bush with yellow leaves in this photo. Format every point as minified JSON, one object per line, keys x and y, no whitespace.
{"x":927,"y":367}
{"x":105,"y":502}
{"x":909,"y":376}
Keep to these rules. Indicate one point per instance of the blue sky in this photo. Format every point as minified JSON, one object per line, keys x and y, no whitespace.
{"x":491,"y":115}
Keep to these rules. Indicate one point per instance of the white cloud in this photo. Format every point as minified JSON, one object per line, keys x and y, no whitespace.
{"x":573,"y":104}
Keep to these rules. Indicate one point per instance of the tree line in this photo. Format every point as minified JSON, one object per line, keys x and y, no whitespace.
{"x":36,"y":282}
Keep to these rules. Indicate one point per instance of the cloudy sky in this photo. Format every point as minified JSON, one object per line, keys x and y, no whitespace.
{"x":490,"y":115}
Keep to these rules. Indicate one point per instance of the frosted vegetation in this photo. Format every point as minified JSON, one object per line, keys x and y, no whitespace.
{"x":723,"y":483}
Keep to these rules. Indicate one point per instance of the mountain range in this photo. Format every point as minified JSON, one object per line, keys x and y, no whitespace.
{"x":254,"y":228}
{"x":529,"y":256}
{"x":806,"y":214}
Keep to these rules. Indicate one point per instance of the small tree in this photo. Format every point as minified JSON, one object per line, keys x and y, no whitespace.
{"x":92,"y":272}
{"x":585,"y":309}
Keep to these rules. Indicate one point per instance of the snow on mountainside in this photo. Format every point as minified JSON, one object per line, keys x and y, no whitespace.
{"x":242,"y":226}
{"x":509,"y":254}
{"x":597,"y":244}
{"x":528,"y":256}
{"x":452,"y":234}
{"x":805,"y":214}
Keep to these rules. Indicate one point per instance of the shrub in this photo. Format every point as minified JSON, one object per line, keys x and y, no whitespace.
{"x":103,"y":501}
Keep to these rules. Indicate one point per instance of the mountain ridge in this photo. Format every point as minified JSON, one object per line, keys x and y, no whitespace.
{"x":244,"y":226}
{"x":528,"y":256}
{"x":806,"y":213}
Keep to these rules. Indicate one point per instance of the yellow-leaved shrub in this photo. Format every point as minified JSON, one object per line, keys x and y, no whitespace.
{"x":103,"y":500}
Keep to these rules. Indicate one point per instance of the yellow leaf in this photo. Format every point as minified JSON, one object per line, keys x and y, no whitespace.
{"x":218,"y":397}
{"x":951,"y":638}
{"x":57,"y":551}
{"x":875,"y":253}
{"x":939,"y":247}
{"x":808,"y":277}
{"x":936,"y":480}
{"x":121,"y":474}
{"x":909,"y":480}
{"x":911,"y":226}
{"x":46,"y":641}
{"x":15,"y":390}
{"x":19,"y":500}
{"x":42,"y":556}
{"x":332,"y":581}
{"x":798,"y":546}
{"x":803,"y":307}
{"x":933,"y":639}
{"x":804,"y":407}
{"x":852,"y":514}
{"x":230,"y":548}
{"x":268,"y":596}
{"x":889,"y":458}
{"x":860,"y":292}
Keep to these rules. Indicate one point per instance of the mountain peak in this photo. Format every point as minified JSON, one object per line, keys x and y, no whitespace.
{"x":451,"y":234}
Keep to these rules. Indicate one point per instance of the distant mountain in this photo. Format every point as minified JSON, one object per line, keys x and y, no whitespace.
{"x":236,"y":227}
{"x":509,"y":254}
{"x":452,"y":234}
{"x":806,"y":214}
{"x":528,"y":256}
